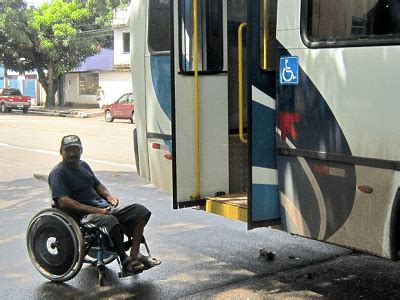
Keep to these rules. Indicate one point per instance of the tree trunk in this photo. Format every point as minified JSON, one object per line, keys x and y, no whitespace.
{"x":49,"y":83}
{"x":5,"y":76}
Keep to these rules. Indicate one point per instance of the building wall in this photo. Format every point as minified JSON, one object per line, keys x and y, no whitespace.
{"x":71,"y":91}
{"x":113,"y":83}
{"x":27,"y":83}
{"x":2,"y":77}
{"x":120,"y":57}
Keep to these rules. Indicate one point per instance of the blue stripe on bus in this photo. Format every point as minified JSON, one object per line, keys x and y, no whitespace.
{"x":264,"y":204}
{"x":161,"y":77}
{"x":317,"y":130}
{"x":263,"y":136}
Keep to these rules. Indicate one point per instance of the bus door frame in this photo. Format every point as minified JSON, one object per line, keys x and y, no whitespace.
{"x":263,"y":192}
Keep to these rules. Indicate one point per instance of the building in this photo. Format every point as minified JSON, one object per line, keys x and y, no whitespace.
{"x":27,"y":83}
{"x":109,"y":69}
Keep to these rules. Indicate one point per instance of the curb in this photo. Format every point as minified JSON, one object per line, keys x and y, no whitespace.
{"x":66,"y":114}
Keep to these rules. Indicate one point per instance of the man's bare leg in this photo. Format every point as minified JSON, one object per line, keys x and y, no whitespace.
{"x":117,"y":238}
{"x":137,"y":237}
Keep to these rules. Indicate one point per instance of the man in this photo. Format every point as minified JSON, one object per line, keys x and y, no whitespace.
{"x":100,"y":97}
{"x":77,"y":190}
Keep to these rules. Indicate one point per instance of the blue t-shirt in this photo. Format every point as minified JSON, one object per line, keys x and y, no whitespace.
{"x":79,"y":184}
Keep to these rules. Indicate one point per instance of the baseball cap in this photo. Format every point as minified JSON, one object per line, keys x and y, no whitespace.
{"x":71,"y":140}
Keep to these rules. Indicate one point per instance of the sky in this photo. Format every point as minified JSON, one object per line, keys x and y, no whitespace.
{"x":36,"y":3}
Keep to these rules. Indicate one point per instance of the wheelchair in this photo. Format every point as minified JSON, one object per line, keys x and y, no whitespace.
{"x":58,"y":246}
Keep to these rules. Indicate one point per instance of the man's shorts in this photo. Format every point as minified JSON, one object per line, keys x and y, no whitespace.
{"x":126,"y":216}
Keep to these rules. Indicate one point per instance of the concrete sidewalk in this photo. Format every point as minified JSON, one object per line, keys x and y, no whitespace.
{"x":66,"y":112}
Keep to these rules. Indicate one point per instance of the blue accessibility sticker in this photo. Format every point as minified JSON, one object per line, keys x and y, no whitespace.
{"x":289,"y":70}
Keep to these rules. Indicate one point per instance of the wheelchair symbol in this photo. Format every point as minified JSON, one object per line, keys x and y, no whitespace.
{"x":289,"y":70}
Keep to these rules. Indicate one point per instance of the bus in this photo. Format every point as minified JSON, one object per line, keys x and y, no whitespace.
{"x":274,"y":112}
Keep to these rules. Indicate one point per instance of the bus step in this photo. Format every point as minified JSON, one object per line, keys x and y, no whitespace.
{"x":233,"y":206}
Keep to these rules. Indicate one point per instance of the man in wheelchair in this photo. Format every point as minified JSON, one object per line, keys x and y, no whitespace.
{"x":76,"y":190}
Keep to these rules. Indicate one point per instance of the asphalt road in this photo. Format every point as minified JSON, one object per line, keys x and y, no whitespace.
{"x":204,"y":256}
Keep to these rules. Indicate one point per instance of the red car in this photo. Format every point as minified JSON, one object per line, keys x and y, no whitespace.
{"x":123,"y":108}
{"x":13,"y":99}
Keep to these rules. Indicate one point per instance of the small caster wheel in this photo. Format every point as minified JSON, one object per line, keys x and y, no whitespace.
{"x":101,"y":270}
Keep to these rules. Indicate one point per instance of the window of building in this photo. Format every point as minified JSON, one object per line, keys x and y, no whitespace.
{"x":126,"y":42}
{"x":354,"y":21}
{"x":159,"y":20}
{"x":210,"y":35}
{"x":88,"y":83}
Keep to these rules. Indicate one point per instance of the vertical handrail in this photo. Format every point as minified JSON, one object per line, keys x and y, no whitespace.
{"x":240,"y":78}
{"x":196,"y":196}
{"x":265,"y":34}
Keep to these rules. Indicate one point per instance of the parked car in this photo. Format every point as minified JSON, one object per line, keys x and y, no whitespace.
{"x":123,"y":108}
{"x":13,"y":99}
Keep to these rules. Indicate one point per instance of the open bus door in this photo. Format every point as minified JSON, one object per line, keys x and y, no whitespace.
{"x":199,"y":106}
{"x":264,"y":206}
{"x":229,"y":163}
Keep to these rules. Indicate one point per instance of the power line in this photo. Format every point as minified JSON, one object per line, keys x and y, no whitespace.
{"x":105,"y":31}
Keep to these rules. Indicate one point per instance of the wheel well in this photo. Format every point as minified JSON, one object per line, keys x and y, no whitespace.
{"x":395,"y":228}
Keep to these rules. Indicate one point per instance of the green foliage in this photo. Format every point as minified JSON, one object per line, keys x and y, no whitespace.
{"x":55,"y":37}
{"x":57,"y":28}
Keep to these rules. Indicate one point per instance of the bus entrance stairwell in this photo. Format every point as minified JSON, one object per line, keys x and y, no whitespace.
{"x":233,"y":204}
{"x":253,"y":185}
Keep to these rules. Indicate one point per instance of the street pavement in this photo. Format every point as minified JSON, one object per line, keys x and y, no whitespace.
{"x":203,"y":256}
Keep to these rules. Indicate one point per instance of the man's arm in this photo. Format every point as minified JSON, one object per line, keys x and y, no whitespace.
{"x":73,"y":205}
{"x":105,"y":194}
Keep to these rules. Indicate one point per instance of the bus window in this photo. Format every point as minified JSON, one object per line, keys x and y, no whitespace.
{"x":350,"y":20}
{"x":210,"y":37}
{"x":268,"y":34}
{"x":159,"y":20}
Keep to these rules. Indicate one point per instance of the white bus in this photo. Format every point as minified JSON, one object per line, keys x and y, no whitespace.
{"x":274,"y":112}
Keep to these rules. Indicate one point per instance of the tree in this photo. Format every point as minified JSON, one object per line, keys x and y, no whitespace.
{"x":52,"y":39}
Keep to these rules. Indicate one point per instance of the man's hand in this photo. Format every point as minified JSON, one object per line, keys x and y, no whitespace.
{"x":114,"y":201}
{"x":103,"y":211}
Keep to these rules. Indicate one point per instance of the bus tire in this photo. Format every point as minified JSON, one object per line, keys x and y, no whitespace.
{"x":136,"y":151}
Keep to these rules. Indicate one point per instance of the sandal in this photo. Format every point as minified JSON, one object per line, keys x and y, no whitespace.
{"x":148,"y":261}
{"x":130,"y":265}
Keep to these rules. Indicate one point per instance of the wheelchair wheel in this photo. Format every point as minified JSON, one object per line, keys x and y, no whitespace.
{"x":55,"y":244}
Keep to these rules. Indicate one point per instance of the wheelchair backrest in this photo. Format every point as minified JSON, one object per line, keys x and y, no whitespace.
{"x":44,"y":178}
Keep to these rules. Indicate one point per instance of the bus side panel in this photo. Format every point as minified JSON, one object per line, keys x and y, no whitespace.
{"x":341,"y":113}
{"x":158,"y":112}
{"x":138,"y":46}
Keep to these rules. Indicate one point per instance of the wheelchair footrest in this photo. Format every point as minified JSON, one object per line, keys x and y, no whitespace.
{"x":126,"y":274}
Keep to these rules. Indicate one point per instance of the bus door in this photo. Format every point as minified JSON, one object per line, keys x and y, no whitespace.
{"x":215,"y":163}
{"x":199,"y":101}
{"x":264,"y":207}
